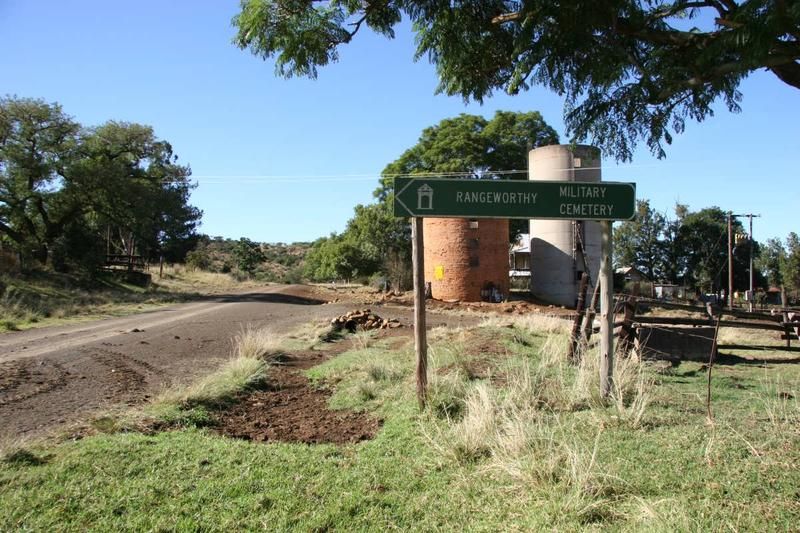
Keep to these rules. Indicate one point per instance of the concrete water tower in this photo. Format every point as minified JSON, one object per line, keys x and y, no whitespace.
{"x":557,"y":259}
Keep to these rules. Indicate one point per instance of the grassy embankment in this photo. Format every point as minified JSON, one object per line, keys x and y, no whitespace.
{"x":48,"y":299}
{"x":514,"y":439}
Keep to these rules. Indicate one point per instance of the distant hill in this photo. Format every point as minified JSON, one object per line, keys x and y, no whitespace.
{"x":282,"y":262}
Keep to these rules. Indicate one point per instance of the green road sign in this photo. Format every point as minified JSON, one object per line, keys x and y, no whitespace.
{"x":471,"y":198}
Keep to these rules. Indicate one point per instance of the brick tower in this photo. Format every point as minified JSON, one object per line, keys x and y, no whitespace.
{"x":466,"y":259}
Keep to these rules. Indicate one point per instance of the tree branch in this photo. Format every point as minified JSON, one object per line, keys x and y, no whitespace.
{"x":11,"y":232}
{"x":507,"y":17}
{"x":670,"y":11}
{"x":671,"y":37}
{"x":357,"y":25}
{"x":788,"y":73}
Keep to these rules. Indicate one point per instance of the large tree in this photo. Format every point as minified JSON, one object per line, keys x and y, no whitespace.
{"x":136,"y":187}
{"x":38,"y":143}
{"x":771,"y":261}
{"x":641,"y":242}
{"x":702,"y":236}
{"x":471,"y":146}
{"x":629,"y":69}
{"x":65,"y":189}
{"x":692,"y":249}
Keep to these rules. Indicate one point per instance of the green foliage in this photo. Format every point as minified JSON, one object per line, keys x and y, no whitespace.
{"x":247,"y":255}
{"x":690,"y":249}
{"x":37,"y":144}
{"x":629,"y":70}
{"x":703,"y":237}
{"x":65,"y":190}
{"x":790,"y":265}
{"x":268,"y":262}
{"x":771,"y":261}
{"x":473,"y":145}
{"x":641,"y":242}
{"x":335,"y":257}
{"x":198,"y":259}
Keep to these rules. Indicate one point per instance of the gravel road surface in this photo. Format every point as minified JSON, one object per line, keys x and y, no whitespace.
{"x":50,"y":377}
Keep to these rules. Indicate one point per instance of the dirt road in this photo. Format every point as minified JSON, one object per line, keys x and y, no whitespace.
{"x":52,"y":376}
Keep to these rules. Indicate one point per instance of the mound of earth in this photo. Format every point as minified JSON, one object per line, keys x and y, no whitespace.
{"x":291,"y":409}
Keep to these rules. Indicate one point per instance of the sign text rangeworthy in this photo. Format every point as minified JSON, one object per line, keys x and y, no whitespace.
{"x":472,"y":198}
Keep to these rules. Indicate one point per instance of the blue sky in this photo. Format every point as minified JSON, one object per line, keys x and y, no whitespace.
{"x":286,"y":160}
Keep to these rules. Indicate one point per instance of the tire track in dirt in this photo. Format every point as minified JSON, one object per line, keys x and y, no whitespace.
{"x":130,"y":359}
{"x":128,"y":374}
{"x":24,"y":379}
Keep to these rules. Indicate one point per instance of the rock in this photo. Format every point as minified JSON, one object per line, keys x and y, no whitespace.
{"x":363,"y":319}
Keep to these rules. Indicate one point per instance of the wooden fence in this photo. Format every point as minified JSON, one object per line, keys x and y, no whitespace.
{"x":785,"y":321}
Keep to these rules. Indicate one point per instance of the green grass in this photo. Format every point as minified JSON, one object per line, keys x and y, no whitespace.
{"x":528,"y":448}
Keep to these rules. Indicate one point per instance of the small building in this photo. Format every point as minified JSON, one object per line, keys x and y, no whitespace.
{"x":669,"y":291}
{"x":519,"y":257}
{"x":773,"y":296}
{"x":630,"y":273}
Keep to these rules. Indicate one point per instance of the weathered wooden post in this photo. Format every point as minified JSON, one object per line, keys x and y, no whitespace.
{"x":420,"y":335}
{"x":588,"y":321}
{"x":573,"y":354}
{"x":606,"y":312}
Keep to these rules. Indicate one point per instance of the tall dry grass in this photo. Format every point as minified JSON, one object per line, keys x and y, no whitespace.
{"x":522,"y":426}
{"x":779,"y":400}
{"x":539,"y":324}
{"x":250,"y":356}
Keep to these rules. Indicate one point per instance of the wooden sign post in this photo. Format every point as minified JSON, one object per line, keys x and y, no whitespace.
{"x":420,"y":334}
{"x":606,"y":280}
{"x":469,"y":198}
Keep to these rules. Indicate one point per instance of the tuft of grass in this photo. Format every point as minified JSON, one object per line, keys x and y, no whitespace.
{"x":367,"y":391}
{"x":234,"y":376}
{"x":246,"y":368}
{"x":363,"y":338}
{"x":779,"y":401}
{"x":447,"y":395}
{"x":256,"y":343}
{"x":23,"y":457}
{"x":310,"y":335}
{"x":383,"y":372}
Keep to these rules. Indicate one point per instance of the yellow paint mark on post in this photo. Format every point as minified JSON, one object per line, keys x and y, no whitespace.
{"x":438,"y":272}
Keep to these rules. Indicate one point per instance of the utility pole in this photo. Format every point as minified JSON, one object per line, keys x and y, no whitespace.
{"x":730,"y":262}
{"x":750,"y":292}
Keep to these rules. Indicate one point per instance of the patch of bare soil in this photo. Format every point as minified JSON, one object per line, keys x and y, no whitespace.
{"x":291,"y":409}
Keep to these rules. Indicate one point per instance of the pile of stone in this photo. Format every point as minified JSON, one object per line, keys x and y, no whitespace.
{"x":363,"y":319}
